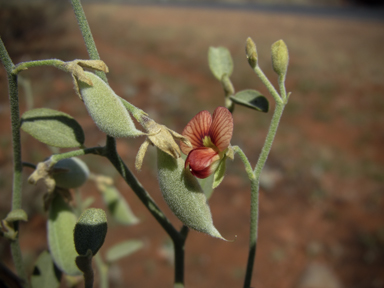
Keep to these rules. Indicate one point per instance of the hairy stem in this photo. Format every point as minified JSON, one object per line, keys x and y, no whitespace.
{"x":269,"y":139}
{"x":255,"y":186}
{"x":93,"y":150}
{"x":268,"y":84}
{"x":48,"y":62}
{"x":283,"y":91}
{"x":87,"y":35}
{"x":17,"y":164}
{"x":247,"y":165}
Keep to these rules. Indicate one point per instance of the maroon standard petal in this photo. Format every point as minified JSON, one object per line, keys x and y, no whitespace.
{"x":221,"y":128}
{"x":202,"y":162}
{"x":196,"y":130}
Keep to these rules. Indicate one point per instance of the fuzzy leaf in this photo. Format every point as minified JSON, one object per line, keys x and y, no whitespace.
{"x":251,"y":99}
{"x":123,"y":249}
{"x":53,"y":128}
{"x":45,"y":274}
{"x":220,"y":62}
{"x":61,"y":223}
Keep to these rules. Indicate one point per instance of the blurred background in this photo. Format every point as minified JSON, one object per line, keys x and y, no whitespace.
{"x":321,"y":202}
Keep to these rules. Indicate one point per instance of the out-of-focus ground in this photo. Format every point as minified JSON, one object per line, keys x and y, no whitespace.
{"x":321,"y":204}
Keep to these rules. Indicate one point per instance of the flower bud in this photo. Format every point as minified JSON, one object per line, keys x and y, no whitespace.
{"x":251,"y":52}
{"x":90,"y":231}
{"x":280,"y":57}
{"x":106,"y":109}
{"x":183,"y":194}
{"x":70,"y":173}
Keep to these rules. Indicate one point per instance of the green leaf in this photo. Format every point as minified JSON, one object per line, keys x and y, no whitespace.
{"x":220,"y":62}
{"x":118,"y":206}
{"x":17,"y":215}
{"x":219,"y":173}
{"x":61,"y":223}
{"x":206,"y":184}
{"x":53,"y":128}
{"x":45,"y":274}
{"x":123,"y":249}
{"x":251,"y":99}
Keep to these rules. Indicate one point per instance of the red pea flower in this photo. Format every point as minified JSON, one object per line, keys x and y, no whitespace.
{"x":210,"y":137}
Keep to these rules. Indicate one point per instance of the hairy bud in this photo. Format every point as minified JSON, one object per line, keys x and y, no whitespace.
{"x":251,"y":52}
{"x":90,"y":231}
{"x":280,"y":57}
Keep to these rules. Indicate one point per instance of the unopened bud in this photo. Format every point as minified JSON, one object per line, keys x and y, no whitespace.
{"x":251,"y":52}
{"x":70,"y":173}
{"x":90,"y":231}
{"x":280,"y":57}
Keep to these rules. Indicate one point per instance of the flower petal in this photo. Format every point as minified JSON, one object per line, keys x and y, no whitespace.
{"x":196,"y":130}
{"x":202,"y":162}
{"x":221,"y":128}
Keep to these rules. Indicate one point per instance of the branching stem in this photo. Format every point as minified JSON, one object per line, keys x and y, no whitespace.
{"x":254,"y":176}
{"x":111,"y":153}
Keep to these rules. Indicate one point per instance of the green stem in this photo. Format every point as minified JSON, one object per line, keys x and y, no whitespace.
{"x":138,"y":189}
{"x":84,"y":263}
{"x":93,"y":150}
{"x":243,"y":157}
{"x":17,"y":164}
{"x":87,"y":35}
{"x":268,"y":84}
{"x":103,"y":271}
{"x":179,"y":247}
{"x":48,"y":62}
{"x":269,"y":139}
{"x":283,"y":92}
{"x":229,"y":90}
{"x":137,"y":113}
{"x":255,"y":186}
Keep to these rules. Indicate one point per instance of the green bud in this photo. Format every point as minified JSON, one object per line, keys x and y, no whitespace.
{"x":70,"y":173}
{"x":90,"y":231}
{"x":183,"y":194}
{"x":60,"y":226}
{"x":106,"y":108}
{"x":280,"y":57}
{"x":251,"y":52}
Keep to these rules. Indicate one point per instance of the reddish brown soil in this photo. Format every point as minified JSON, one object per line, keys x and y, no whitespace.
{"x":328,"y":204}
